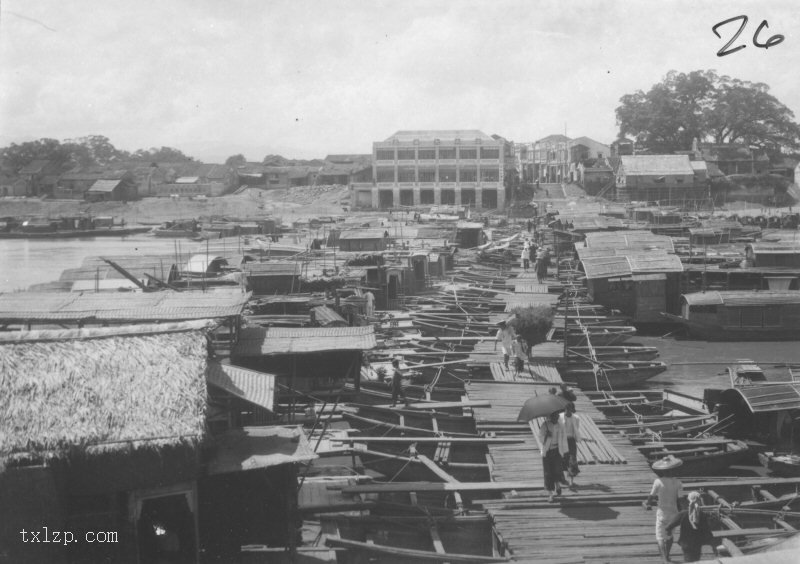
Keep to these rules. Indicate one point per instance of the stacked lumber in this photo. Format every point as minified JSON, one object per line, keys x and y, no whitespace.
{"x":594,"y":447}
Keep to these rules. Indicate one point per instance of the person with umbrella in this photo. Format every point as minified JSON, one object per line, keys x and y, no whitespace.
{"x":552,"y":437}
{"x":553,"y":446}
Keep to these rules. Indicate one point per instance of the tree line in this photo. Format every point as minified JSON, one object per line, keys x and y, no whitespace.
{"x":708,"y":107}
{"x":82,"y":153}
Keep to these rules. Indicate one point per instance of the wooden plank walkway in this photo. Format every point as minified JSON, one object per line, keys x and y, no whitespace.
{"x":533,"y":530}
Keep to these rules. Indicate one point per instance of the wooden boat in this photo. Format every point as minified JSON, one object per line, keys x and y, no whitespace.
{"x":179,"y":228}
{"x":701,"y":457}
{"x":598,"y":335}
{"x":611,"y":374}
{"x":615,"y":352}
{"x":786,"y":465}
{"x":741,"y":315}
{"x":638,"y":403}
{"x":436,"y":421}
{"x":393,"y":429}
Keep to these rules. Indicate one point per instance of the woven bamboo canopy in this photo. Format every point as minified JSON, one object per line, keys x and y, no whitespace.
{"x":101,"y":390}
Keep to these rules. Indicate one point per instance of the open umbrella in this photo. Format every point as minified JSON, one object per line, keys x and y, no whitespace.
{"x":541,"y":406}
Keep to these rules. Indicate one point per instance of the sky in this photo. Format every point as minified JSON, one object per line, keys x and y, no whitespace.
{"x":303,"y":79}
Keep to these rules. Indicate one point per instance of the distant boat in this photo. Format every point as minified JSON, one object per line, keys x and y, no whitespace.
{"x":189,"y":228}
{"x":611,"y":374}
{"x":741,"y":315}
{"x":72,"y":227}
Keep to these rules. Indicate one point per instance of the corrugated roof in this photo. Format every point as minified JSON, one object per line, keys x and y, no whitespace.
{"x":252,"y":386}
{"x":630,"y":238}
{"x":165,"y":306}
{"x":771,"y":397}
{"x":271,"y":268}
{"x":743,"y":298}
{"x":357,"y":234}
{"x":326,"y":317}
{"x":615,"y":266}
{"x":259,"y":341}
{"x":786,"y":248}
{"x":657,"y":164}
{"x":627,"y":251}
{"x":105,"y":186}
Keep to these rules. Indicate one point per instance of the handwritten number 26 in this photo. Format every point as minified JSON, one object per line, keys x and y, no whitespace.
{"x":774,"y":40}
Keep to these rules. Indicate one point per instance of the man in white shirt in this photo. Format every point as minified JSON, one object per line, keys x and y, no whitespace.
{"x":505,"y":336}
{"x":370,"y":304}
{"x":667,"y":489}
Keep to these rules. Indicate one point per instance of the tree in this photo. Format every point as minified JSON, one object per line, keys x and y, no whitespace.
{"x":164,"y":155}
{"x":702,"y":105}
{"x":17,"y":156}
{"x":235,"y":160}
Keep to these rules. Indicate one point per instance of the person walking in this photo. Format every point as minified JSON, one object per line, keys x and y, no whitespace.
{"x":667,"y":489}
{"x":519,"y":349}
{"x":505,"y":336}
{"x":398,"y":382}
{"x":541,"y":265}
{"x":695,"y":530}
{"x":369,"y":304}
{"x":530,"y":225}
{"x":552,"y":445}
{"x":572,"y":428}
{"x":525,"y":257}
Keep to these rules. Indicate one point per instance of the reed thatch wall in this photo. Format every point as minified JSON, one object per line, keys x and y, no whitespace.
{"x":102,"y":391}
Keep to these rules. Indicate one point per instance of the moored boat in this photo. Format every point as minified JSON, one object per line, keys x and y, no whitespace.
{"x":701,"y":457}
{"x":785,"y":465}
{"x":741,"y":315}
{"x":611,"y":374}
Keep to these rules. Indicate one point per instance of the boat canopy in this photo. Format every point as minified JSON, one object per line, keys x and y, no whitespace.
{"x":769,"y":397}
{"x":743,"y":298}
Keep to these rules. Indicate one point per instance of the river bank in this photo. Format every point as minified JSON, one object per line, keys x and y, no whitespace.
{"x":295,"y":203}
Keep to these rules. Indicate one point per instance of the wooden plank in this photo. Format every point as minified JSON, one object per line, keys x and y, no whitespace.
{"x":436,"y":469}
{"x":427,"y":440}
{"x":411,"y":553}
{"x":738,"y":482}
{"x":745,"y":532}
{"x":448,"y":404}
{"x":404,"y":487}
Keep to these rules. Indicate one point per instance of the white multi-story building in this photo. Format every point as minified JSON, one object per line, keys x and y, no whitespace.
{"x":418,"y":168}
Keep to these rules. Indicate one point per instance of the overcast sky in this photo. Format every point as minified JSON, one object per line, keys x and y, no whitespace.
{"x":303,"y":79}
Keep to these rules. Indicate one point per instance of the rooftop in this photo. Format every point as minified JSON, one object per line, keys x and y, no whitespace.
{"x":108,"y":388}
{"x":259,"y":341}
{"x":657,"y":164}
{"x":448,"y":135}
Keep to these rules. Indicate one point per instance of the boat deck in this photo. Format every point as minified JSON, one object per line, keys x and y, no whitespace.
{"x":600,"y":519}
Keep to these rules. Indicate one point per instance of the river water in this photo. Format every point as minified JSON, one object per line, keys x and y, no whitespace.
{"x":29,"y":261}
{"x":32,"y":261}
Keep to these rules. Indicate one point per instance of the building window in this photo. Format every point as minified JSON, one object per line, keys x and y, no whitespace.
{"x":406,"y":154}
{"x":490,"y":153}
{"x":427,"y":175}
{"x":467,"y":154}
{"x":385,"y":174}
{"x":406,"y":174}
{"x":446,"y":153}
{"x":490,"y":175}
{"x":406,"y":197}
{"x":447,"y":174}
{"x":384,"y":154}
{"x":468,"y":197}
{"x":427,"y":154}
{"x":426,"y":197}
{"x":489,"y":198}
{"x":448,"y":197}
{"x":468,"y":174}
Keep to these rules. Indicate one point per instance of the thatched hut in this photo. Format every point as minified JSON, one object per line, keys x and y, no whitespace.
{"x":106,"y":430}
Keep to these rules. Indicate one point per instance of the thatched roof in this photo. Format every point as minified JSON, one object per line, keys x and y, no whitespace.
{"x":101,"y":389}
